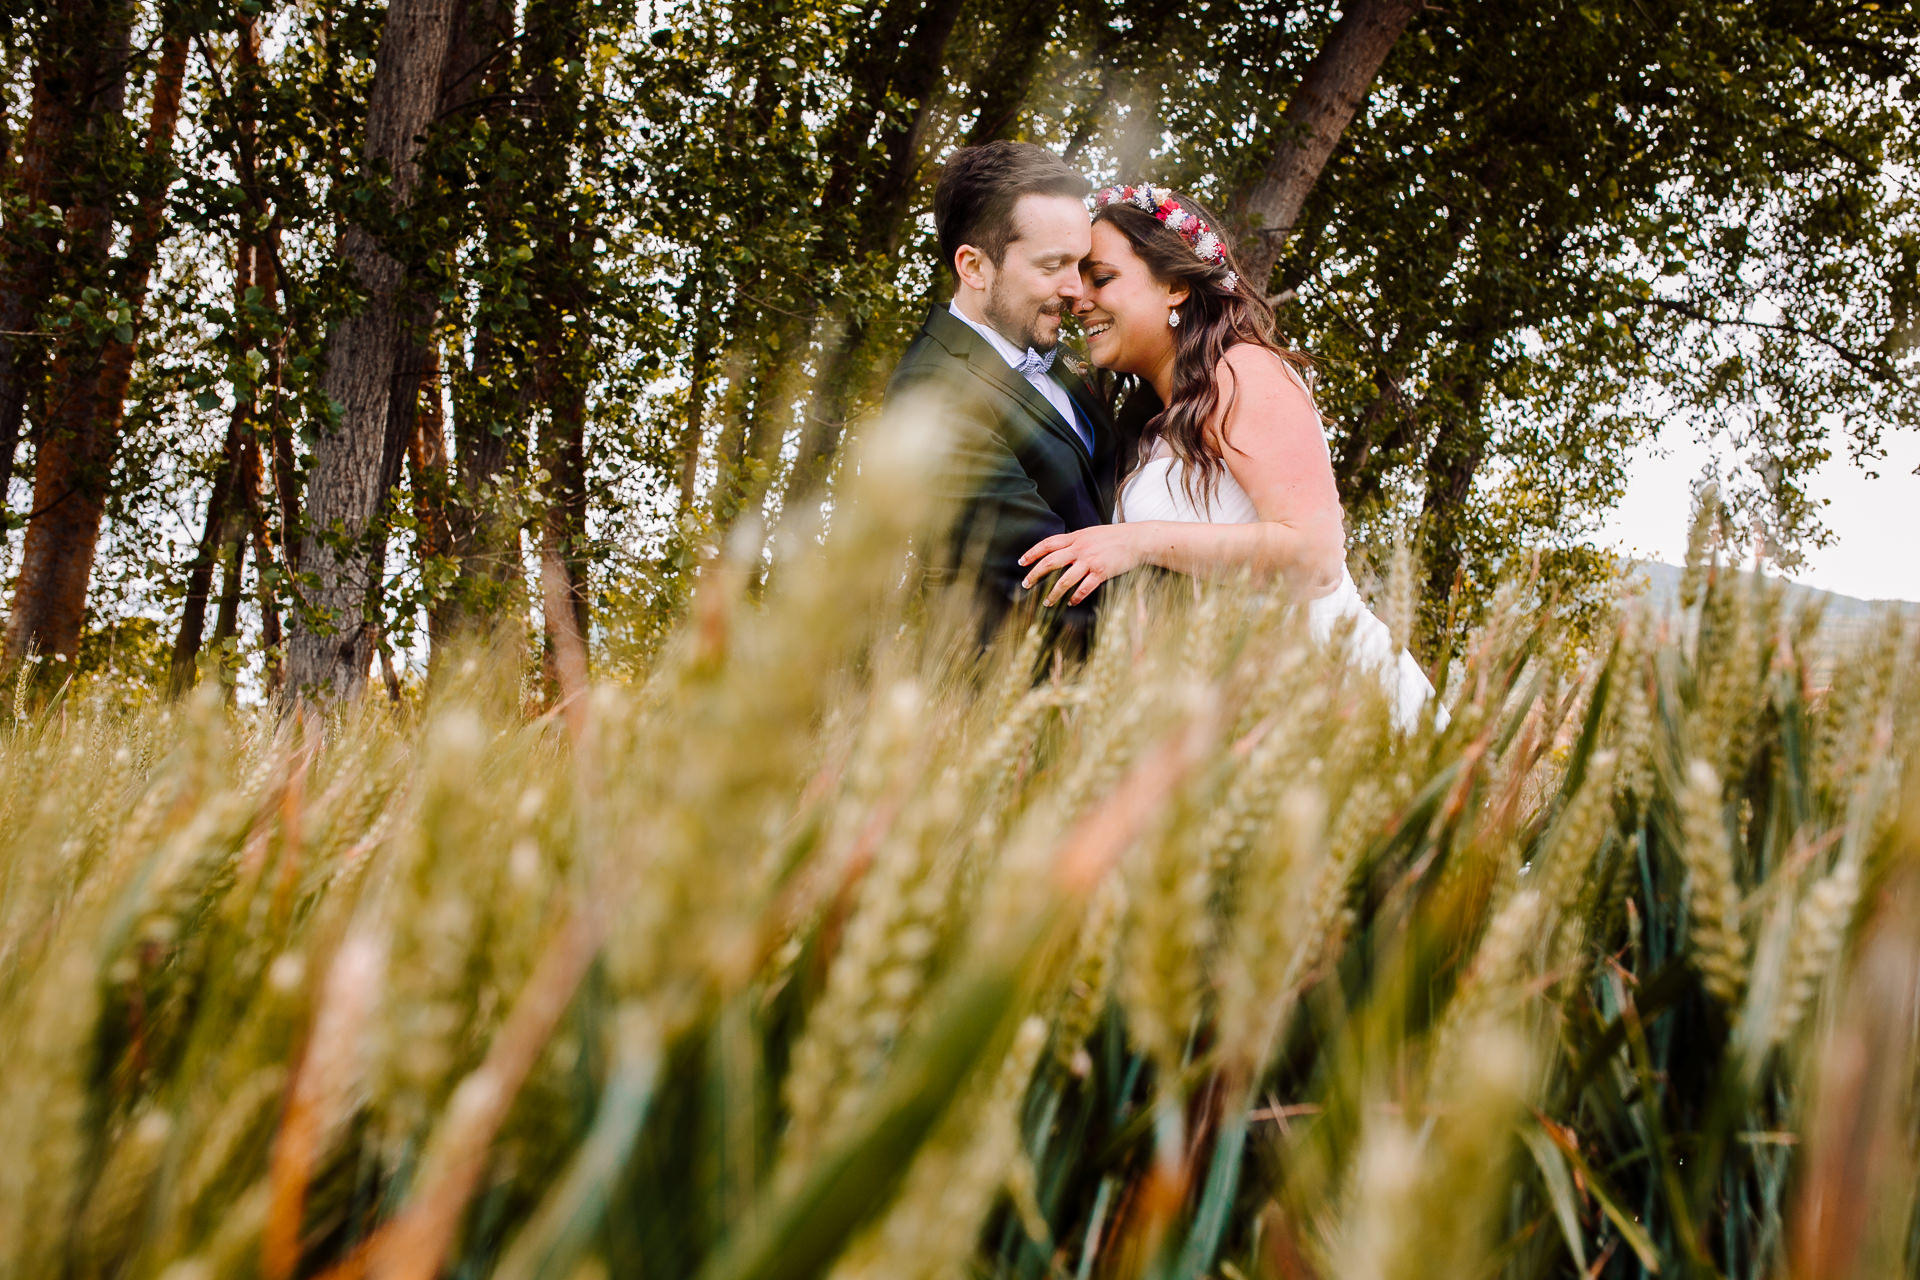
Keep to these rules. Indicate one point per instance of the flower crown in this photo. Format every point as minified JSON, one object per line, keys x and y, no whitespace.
{"x":1164,"y":205}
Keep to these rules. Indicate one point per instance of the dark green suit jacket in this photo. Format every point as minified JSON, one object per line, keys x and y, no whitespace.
{"x":1015,"y":472}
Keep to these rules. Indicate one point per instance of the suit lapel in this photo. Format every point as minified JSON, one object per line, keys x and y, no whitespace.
{"x":959,"y":338}
{"x":1100,"y":423}
{"x":987,"y":364}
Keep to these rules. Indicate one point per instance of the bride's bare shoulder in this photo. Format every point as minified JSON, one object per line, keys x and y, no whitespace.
{"x":1262,"y":378}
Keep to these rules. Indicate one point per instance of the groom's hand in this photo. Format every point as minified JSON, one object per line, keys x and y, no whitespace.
{"x":1086,"y":557}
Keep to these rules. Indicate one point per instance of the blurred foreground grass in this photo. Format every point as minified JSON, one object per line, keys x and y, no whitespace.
{"x":821,"y":953}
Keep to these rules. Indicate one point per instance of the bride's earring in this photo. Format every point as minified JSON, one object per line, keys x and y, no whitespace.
{"x":1173,"y":318}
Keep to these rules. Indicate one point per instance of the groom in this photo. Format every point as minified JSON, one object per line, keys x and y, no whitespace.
{"x":1033,"y":451}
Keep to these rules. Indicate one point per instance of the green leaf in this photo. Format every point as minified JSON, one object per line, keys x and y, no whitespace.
{"x":798,"y":1235}
{"x":1560,"y":1193}
{"x":1629,"y":1228}
{"x":560,"y":1230}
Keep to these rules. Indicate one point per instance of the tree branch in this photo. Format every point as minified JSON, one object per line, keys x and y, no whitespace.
{"x":1866,"y":363}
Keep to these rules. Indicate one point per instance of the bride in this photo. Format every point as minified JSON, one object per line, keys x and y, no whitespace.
{"x":1234,"y":471}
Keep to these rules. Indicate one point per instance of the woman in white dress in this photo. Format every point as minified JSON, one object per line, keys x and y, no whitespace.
{"x":1234,"y":471}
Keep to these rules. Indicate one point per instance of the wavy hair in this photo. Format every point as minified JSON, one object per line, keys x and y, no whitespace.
{"x":1212,"y":319}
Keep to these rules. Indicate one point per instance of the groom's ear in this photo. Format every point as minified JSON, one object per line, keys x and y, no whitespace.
{"x":972,"y":267}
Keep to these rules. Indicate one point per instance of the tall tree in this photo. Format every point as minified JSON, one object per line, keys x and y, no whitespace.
{"x":1329,"y":94}
{"x":490,"y":388}
{"x":73,"y":74}
{"x":1553,"y":215}
{"x":561,"y":301}
{"x":356,"y":459}
{"x":231,"y":510}
{"x":90,"y":375}
{"x":897,"y":94}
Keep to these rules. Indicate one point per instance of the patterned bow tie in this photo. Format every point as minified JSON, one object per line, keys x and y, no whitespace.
{"x":1033,"y":362}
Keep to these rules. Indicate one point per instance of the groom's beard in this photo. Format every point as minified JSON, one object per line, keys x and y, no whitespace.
{"x":1021,"y":326}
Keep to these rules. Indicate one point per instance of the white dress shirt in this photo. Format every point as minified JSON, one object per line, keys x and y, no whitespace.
{"x":1055,"y":393}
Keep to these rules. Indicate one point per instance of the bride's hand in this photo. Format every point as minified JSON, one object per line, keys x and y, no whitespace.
{"x":1088,"y":557}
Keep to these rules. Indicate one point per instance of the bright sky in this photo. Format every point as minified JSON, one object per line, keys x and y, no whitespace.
{"x":1875,"y":554}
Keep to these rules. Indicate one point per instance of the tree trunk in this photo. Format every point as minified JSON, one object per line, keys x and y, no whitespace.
{"x":429,"y":477}
{"x":916,"y":78}
{"x":193,"y":609}
{"x":274,"y":675}
{"x":1331,"y":90}
{"x":230,"y":506}
{"x":765,"y":382}
{"x":482,"y":32}
{"x":747,"y":371}
{"x":278,"y":431}
{"x":343,"y":546}
{"x":72,"y":69}
{"x":1366,"y":453}
{"x":486,"y":544}
{"x":75,"y":458}
{"x":222,"y":506}
{"x":233,"y":550}
{"x":563,"y":296}
{"x":1453,"y":460}
{"x":1006,"y":83}
{"x":563,"y":534}
{"x":486,"y":547}
{"x":697,"y":392}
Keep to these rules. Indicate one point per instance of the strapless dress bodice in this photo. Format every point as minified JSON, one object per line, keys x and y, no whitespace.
{"x":1156,"y":491}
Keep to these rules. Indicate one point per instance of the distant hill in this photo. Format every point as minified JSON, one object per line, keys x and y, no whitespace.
{"x":1843,"y":621}
{"x":1663,"y":589}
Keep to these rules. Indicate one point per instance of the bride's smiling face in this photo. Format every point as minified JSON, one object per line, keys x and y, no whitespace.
{"x":1122,"y":308}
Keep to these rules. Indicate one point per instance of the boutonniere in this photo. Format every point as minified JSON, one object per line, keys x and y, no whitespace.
{"x":1075,"y":365}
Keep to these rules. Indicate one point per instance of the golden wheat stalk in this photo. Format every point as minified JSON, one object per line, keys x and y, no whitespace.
{"x":1719,"y":948}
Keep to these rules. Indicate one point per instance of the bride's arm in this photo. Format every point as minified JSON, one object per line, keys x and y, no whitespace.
{"x":1274,"y":449}
{"x":1272,"y":444}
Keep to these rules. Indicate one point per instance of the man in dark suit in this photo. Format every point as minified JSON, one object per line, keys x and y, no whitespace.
{"x":1033,"y":450}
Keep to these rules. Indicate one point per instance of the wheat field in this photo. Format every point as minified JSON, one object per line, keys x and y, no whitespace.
{"x":828,"y":950}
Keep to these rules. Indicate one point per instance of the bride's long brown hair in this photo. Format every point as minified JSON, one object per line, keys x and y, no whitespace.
{"x":1212,"y":319}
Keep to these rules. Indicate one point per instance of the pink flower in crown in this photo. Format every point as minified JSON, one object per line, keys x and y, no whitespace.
{"x":1165,"y":206}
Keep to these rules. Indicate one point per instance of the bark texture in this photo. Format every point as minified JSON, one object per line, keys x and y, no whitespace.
{"x":213,"y":538}
{"x":913,"y":77}
{"x":487,"y":413}
{"x":562,"y":297}
{"x":1331,"y":90}
{"x":429,"y":476}
{"x":343,"y":547}
{"x":563,"y":540}
{"x":73,"y":69}
{"x":233,"y":510}
{"x":87,"y":402}
{"x":698,"y":389}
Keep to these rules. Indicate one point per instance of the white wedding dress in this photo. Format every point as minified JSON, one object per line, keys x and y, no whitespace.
{"x":1155,"y":492}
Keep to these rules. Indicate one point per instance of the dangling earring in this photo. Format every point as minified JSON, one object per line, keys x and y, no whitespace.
{"x":1173,"y":318}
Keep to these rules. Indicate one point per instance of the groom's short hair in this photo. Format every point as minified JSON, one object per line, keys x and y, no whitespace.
{"x":979,"y":186}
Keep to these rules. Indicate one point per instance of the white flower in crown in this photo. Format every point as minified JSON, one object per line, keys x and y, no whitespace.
{"x":1144,"y":197}
{"x":1207,"y":247}
{"x":1179,"y":218}
{"x":1230,"y":282}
